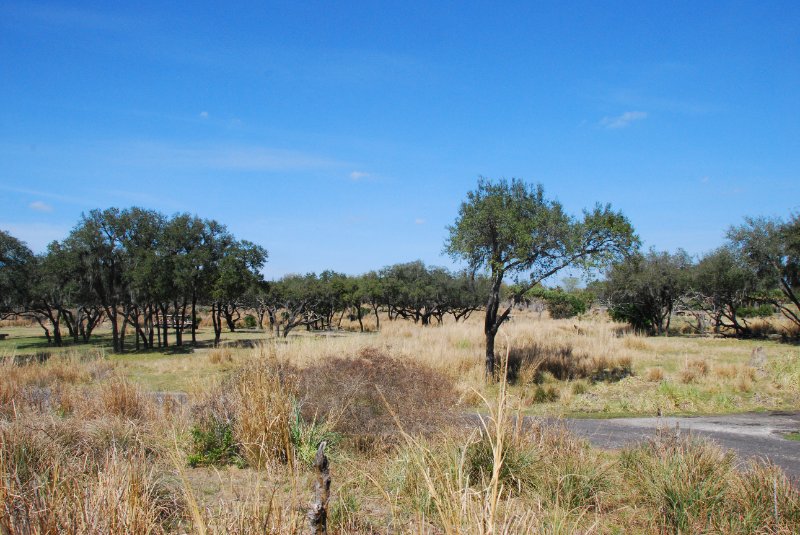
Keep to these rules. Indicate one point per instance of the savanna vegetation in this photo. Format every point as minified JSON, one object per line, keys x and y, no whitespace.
{"x":153,"y":382}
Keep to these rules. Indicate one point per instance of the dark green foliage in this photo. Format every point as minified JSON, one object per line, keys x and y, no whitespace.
{"x":141,"y":270}
{"x":213,"y":444}
{"x":250,"y":321}
{"x":760,"y":311}
{"x":560,"y":303}
{"x":771,"y":248}
{"x":644,"y":289}
{"x":723,"y":285}
{"x":16,"y":266}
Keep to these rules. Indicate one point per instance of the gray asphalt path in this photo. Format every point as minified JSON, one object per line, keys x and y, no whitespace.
{"x":749,"y":435}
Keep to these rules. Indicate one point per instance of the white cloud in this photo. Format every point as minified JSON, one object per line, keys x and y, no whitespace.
{"x":358,"y":175}
{"x":40,"y":206}
{"x":419,"y":221}
{"x":621,"y":121}
{"x":705,"y":179}
{"x":204,"y":115}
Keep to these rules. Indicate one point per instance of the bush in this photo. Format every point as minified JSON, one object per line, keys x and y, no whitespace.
{"x":361,"y":396}
{"x":545,"y":394}
{"x":250,"y":321}
{"x":559,"y":303}
{"x":214,"y":445}
{"x":519,"y":462}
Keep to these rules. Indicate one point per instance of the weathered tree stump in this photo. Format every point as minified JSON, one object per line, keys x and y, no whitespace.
{"x":318,"y":512}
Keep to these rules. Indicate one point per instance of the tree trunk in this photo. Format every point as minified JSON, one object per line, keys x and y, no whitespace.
{"x":194,"y":317}
{"x":216,"y":319}
{"x":492,"y":323}
{"x":490,"y":336}
{"x":111,"y":312}
{"x":165,"y":323}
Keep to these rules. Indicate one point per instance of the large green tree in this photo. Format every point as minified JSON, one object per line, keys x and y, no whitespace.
{"x":509,"y":227}
{"x":644,"y":289}
{"x":722,"y":285}
{"x":16,"y":266}
{"x":772,"y":248}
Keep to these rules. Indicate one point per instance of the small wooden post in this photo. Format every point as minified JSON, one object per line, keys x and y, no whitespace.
{"x":318,"y":512}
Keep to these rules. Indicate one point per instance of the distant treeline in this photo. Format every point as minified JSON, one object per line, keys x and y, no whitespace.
{"x":148,"y":274}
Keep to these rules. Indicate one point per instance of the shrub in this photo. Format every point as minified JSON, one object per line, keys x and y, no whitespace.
{"x":306,"y":437}
{"x":352,"y":393}
{"x":559,"y":303}
{"x":519,"y":461}
{"x":214,"y":445}
{"x":545,"y":394}
{"x":250,"y":321}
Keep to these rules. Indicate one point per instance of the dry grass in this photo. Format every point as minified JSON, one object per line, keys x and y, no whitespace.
{"x":692,"y":486}
{"x":220,"y":355}
{"x":84,"y":448}
{"x":362,"y":396}
{"x":654,"y":375}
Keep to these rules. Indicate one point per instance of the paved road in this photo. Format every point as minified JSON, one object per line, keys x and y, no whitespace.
{"x":749,"y":435}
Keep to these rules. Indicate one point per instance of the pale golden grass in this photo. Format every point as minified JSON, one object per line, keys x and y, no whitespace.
{"x":85,"y":448}
{"x":264,"y":400}
{"x":654,"y":375}
{"x":220,"y":355}
{"x":588,"y":344}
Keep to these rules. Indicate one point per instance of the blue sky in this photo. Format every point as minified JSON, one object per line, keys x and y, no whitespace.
{"x":344,"y":135}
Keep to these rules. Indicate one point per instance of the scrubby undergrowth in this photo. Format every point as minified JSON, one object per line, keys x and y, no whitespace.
{"x":83,"y":449}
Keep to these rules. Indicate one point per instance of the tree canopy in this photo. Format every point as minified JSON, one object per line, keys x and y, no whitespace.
{"x":510,"y":227}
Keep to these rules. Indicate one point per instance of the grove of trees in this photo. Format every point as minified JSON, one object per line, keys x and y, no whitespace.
{"x":756,"y":272}
{"x":148,"y":276}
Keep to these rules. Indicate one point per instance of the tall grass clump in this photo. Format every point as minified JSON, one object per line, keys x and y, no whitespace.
{"x":55,"y":478}
{"x":693,"y":486}
{"x":527,"y":364}
{"x":506,"y":476}
{"x":246,"y":418}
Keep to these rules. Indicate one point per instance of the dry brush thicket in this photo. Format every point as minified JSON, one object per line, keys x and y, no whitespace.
{"x":86,"y":449}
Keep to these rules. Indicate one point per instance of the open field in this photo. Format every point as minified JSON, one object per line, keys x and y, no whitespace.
{"x":227,"y":443}
{"x":559,"y":367}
